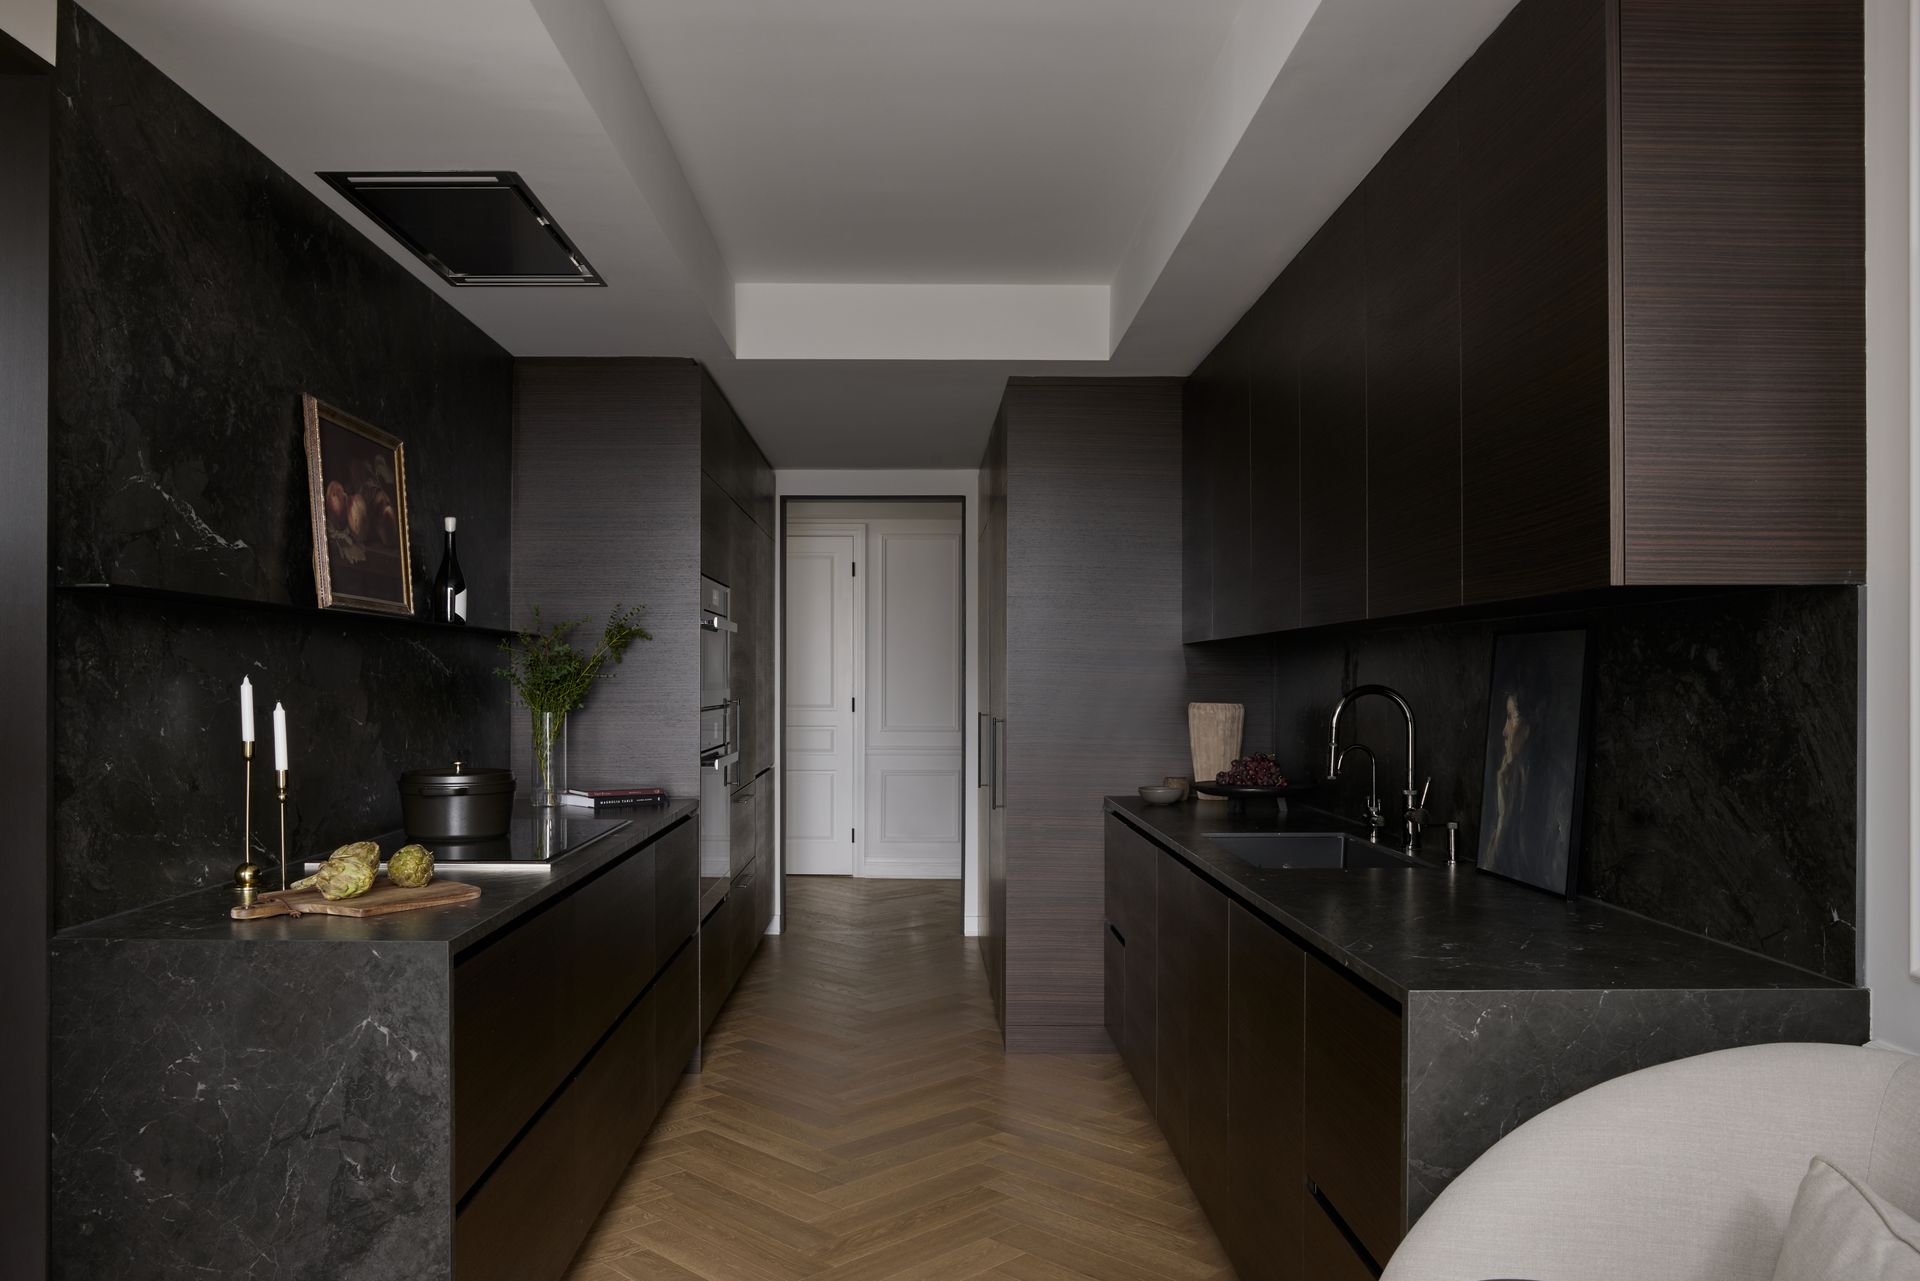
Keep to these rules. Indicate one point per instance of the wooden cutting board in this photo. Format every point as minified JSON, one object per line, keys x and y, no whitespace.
{"x":383,"y":899}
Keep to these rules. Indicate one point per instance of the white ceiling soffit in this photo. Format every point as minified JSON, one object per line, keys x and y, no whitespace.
{"x":862,"y":215}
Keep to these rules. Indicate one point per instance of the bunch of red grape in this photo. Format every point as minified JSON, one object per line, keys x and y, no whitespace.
{"x":1258,"y":770}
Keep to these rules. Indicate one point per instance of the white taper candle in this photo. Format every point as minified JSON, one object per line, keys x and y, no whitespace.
{"x":279,"y":737}
{"x":246,"y":709}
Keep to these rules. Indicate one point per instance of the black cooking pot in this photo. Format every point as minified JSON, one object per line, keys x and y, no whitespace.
{"x":458,"y":804}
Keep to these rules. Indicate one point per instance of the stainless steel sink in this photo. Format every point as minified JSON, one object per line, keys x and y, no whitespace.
{"x":1307,"y":851}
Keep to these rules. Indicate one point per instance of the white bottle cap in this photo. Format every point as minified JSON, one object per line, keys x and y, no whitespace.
{"x":451,"y":522}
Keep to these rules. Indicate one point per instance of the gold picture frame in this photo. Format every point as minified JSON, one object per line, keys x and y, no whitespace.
{"x":357,"y":494}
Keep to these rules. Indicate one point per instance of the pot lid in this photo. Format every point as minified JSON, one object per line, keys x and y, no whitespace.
{"x":482,"y":778}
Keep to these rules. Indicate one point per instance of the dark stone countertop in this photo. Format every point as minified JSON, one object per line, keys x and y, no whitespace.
{"x":1435,"y":928}
{"x":507,"y":893}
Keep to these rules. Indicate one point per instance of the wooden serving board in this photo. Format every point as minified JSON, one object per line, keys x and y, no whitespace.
{"x":383,"y":899}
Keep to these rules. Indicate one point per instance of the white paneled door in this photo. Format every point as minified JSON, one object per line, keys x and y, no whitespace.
{"x":914,"y":710}
{"x":823,"y":650}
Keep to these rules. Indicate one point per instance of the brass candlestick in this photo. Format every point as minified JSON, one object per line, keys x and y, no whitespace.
{"x":280,"y":786}
{"x":247,"y":875}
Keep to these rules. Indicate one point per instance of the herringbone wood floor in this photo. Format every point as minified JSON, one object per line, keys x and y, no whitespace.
{"x":857,"y":1121}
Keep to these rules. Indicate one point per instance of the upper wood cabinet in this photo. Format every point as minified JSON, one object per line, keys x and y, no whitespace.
{"x":1413,"y":367}
{"x":1534,"y":346}
{"x":1332,"y":383}
{"x":1610,"y":292}
{"x":1273,"y":464}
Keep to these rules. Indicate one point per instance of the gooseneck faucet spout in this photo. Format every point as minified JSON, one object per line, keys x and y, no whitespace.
{"x":1415,"y":809}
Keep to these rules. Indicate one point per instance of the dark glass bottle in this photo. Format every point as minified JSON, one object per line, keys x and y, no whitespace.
{"x":450,"y":585}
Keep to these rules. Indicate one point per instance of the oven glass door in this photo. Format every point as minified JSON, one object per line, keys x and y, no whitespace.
{"x":716,"y":645}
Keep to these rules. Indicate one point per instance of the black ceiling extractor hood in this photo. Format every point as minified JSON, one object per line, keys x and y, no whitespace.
{"x":472,"y":228}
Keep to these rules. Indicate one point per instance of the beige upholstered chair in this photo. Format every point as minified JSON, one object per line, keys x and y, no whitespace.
{"x":1683,"y":1172}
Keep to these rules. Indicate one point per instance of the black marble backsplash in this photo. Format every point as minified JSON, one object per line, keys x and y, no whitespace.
{"x":147,"y":766}
{"x":198,"y":291}
{"x":1722,"y":748}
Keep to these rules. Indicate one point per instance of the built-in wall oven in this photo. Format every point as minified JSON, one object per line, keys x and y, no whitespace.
{"x":719,"y":738}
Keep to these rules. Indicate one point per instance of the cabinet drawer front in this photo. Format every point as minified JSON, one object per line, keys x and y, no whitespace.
{"x":1327,"y":1256}
{"x":676,"y":891}
{"x":529,"y":1005}
{"x":1173,"y":1015}
{"x":1261,"y":1230}
{"x":1139,"y":905}
{"x":716,"y":960}
{"x":745,"y":901}
{"x":1354,"y":1095}
{"x":676,"y":1024}
{"x":1115,"y":986}
{"x":525,"y":1222}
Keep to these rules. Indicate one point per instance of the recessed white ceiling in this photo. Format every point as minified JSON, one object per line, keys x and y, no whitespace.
{"x":862,"y":215}
{"x":925,"y":141}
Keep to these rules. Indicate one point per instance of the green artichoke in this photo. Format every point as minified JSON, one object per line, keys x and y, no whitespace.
{"x":340,"y":878}
{"x":361,"y":853}
{"x":411,"y":866}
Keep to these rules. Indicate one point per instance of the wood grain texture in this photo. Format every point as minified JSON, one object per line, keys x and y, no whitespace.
{"x":993,"y":697}
{"x":1223,"y":391}
{"x":1412,"y":209}
{"x":1209,"y":1162}
{"x":526,"y":1222}
{"x":384,"y":899}
{"x":1742,"y":234}
{"x":1325,"y":1254}
{"x":529,"y":1006}
{"x":856,"y":1120}
{"x":1331,"y":306}
{"x":1273,"y":462}
{"x":1137,"y":906}
{"x":1173,"y":1007}
{"x":1196,"y":513}
{"x":1266,"y":1095}
{"x":26,"y":771}
{"x":1534,"y":304}
{"x":1095,"y":679}
{"x":1354,"y":1134}
{"x":606,"y":510}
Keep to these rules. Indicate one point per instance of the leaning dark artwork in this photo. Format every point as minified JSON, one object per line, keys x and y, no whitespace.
{"x":1536,"y":758}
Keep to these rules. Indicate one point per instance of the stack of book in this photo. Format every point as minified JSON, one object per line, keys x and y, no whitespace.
{"x":602,"y":799}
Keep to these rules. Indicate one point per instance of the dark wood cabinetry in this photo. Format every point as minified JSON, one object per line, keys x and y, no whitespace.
{"x":1133,"y":865}
{"x":1535,"y":329}
{"x":569,"y":1032}
{"x":1354,"y":1084}
{"x":558,"y":1176}
{"x":1205,"y":1006}
{"x":531,"y":1004}
{"x":1741,"y":135}
{"x":993,"y":704}
{"x":1273,"y":462}
{"x":1276,"y":1080}
{"x":1264,"y":1206}
{"x":1218,"y":395}
{"x":1333,"y":420}
{"x":1413,"y":368}
{"x":1196,"y":508}
{"x":1080,"y":527}
{"x":1610,"y":295}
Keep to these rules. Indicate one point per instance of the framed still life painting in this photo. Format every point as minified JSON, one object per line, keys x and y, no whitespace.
{"x":1536,"y":759}
{"x":357,"y":487}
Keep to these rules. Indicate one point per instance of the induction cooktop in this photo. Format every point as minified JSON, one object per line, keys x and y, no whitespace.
{"x":535,"y":838}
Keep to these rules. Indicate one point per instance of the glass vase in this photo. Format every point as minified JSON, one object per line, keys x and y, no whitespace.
{"x":549,"y":758}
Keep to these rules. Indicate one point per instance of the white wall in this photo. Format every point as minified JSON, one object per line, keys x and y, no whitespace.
{"x":895,"y":484}
{"x":1891,"y":914}
{"x":31,"y":22}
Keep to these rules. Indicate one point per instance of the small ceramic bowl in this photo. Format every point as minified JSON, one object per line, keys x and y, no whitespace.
{"x":1159,"y":794}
